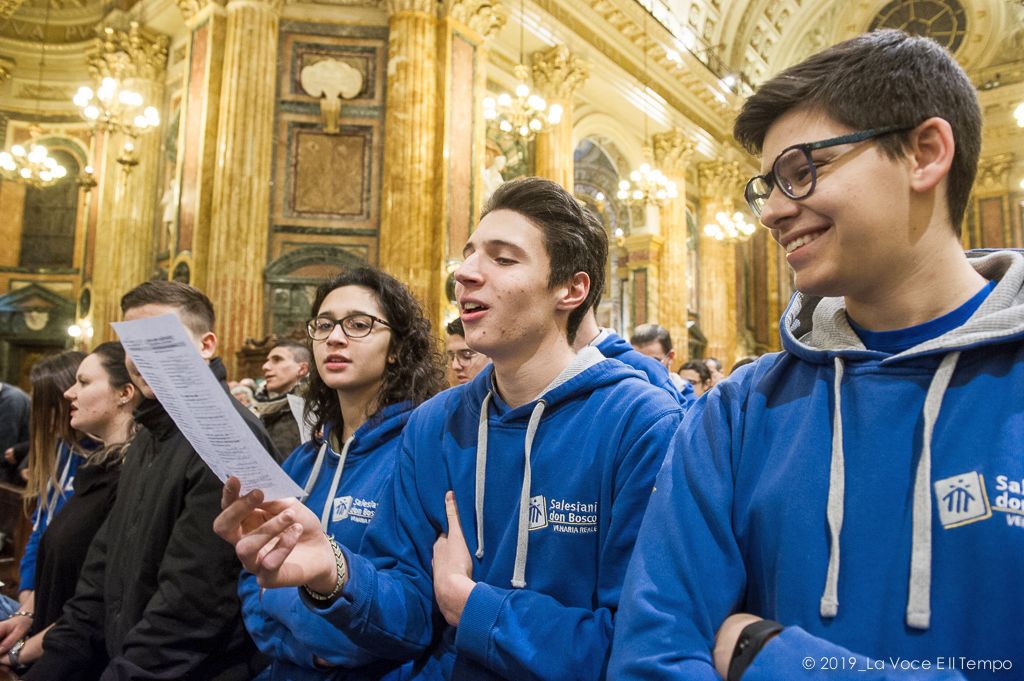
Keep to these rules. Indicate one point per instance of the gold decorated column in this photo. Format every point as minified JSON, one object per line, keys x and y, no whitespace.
{"x":558,"y":74}
{"x":719,"y":181}
{"x":241,"y":182}
{"x":411,"y":239}
{"x":464,"y":34}
{"x":672,"y":152}
{"x":207,"y":24}
{"x":124,"y":253}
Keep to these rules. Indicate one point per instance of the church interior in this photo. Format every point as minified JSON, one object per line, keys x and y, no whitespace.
{"x":252,"y":148}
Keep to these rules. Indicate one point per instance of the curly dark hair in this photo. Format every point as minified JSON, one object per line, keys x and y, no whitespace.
{"x":415,"y":375}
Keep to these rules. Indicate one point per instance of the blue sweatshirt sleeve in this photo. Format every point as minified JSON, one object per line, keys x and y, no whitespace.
{"x":796,"y":654}
{"x":666,"y":628}
{"x":27,"y":567}
{"x":271,"y":636}
{"x":387,"y":605}
{"x":506,"y":630}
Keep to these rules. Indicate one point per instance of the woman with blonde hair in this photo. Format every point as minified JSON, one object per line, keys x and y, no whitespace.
{"x":100,"y":403}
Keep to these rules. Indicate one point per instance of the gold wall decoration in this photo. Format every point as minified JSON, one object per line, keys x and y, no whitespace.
{"x":330,"y":173}
{"x":330,"y":81}
{"x":126,"y":54}
{"x":484,"y":17}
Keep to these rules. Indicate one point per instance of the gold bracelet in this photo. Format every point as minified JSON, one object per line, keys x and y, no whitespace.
{"x":339,"y":562}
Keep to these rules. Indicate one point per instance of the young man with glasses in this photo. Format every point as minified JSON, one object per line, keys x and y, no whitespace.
{"x":463,"y":362}
{"x":517,"y":496}
{"x":849,"y":507}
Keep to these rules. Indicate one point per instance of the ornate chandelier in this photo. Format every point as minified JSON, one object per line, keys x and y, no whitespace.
{"x":729,"y":228}
{"x":114,"y":107}
{"x":34,"y":166}
{"x":647,"y":185}
{"x":526,"y":113}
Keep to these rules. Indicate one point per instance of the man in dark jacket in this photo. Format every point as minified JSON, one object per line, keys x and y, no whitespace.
{"x":285,"y":372}
{"x":157,"y":596}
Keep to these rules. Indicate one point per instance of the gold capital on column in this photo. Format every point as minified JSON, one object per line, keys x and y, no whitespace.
{"x":719,"y":182}
{"x":558,"y":74}
{"x":411,"y":234}
{"x":672,"y":152}
{"x":191,"y":9}
{"x":241,"y":181}
{"x":410,"y":6}
{"x":135,"y":52}
{"x":485,"y":17}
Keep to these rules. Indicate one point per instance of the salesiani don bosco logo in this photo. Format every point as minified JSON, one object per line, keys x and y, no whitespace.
{"x":562,"y":515}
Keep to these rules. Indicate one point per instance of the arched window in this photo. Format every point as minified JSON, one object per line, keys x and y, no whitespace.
{"x":48,"y":225}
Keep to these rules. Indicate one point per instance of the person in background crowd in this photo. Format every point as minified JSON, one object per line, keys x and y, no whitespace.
{"x":54,"y":455}
{"x":376,"y":359}
{"x":696,"y":373}
{"x":856,"y":497}
{"x":655,"y":341}
{"x":463,"y":363}
{"x":157,"y":598}
{"x":14,"y":411}
{"x":530,"y":589}
{"x":614,"y":346}
{"x":714,"y":366}
{"x":285,"y":373}
{"x":244,"y":395}
{"x":101,"y":401}
{"x":742,"y":361}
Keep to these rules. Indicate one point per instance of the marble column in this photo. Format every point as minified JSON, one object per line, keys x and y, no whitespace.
{"x":672,"y":153}
{"x":557,"y":75}
{"x":719,"y":181}
{"x":464,"y":34}
{"x":124,"y":253}
{"x":200,"y":114}
{"x":241,"y":182}
{"x":411,"y":237}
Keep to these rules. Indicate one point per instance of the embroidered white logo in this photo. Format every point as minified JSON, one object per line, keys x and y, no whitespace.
{"x":1010,"y":499}
{"x":538,"y":512}
{"x":962,"y":499}
{"x":566,"y":517}
{"x":342,"y":506}
{"x":354,"y":509}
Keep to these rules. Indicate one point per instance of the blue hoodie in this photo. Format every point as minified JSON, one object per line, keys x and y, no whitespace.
{"x":46,"y":509}
{"x":549,"y":572}
{"x":872,"y":503}
{"x":614,"y":346}
{"x":279,"y":624}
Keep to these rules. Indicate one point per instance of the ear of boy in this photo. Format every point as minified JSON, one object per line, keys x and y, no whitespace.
{"x":574,"y":293}
{"x":932,"y":147}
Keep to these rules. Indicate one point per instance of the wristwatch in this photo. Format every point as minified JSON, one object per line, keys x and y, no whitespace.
{"x":14,"y":653}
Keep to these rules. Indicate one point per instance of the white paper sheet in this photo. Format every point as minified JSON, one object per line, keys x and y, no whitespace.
{"x":297,"y":405}
{"x":167,"y":358}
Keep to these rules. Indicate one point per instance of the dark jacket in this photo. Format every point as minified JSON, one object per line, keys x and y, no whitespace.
{"x":157,"y":596}
{"x":277,"y":418}
{"x":65,"y":544}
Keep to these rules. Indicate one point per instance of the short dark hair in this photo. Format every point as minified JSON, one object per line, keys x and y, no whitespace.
{"x":878,"y":79}
{"x":573,"y":236}
{"x":700,"y":368}
{"x":300,"y":351}
{"x":196,"y":309}
{"x":648,"y":333}
{"x":455,"y":328}
{"x":415,"y":375}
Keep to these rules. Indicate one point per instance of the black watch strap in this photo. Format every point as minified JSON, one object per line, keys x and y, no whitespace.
{"x":749,"y":644}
